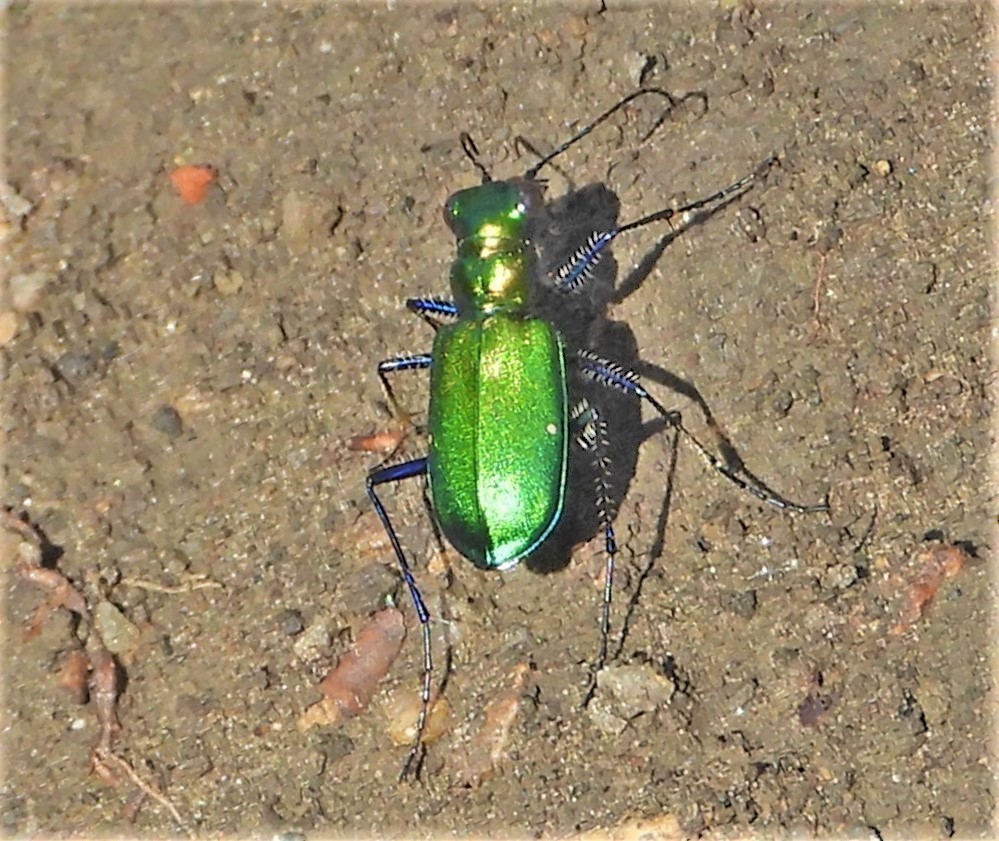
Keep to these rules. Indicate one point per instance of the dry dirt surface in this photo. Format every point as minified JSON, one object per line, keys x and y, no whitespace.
{"x":190,"y":543}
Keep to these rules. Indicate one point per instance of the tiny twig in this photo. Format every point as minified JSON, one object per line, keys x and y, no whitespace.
{"x":816,"y":293}
{"x":194,"y":581}
{"x":105,"y":673}
{"x":102,"y":758}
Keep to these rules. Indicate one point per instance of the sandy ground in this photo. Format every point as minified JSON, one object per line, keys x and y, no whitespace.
{"x":180,"y":383}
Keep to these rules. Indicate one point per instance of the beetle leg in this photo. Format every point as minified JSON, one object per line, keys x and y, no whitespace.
{"x":578,"y":269}
{"x":592,"y":437}
{"x":381,"y":476}
{"x":412,"y":362}
{"x":613,"y":375}
{"x":432,"y":309}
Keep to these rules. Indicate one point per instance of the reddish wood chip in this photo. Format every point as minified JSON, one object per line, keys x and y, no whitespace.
{"x":74,"y":670}
{"x":934,"y":564}
{"x":352,"y":684}
{"x":385,"y":441}
{"x":349,"y":688}
{"x":488,"y":747}
{"x":191,"y":181}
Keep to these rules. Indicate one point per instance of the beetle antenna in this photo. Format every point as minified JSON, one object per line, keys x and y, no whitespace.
{"x":672,"y":103}
{"x":472,"y":153}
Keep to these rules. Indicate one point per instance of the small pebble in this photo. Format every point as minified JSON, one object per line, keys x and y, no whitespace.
{"x":490,"y":746}
{"x":314,"y":644}
{"x":167,"y":420}
{"x":117,"y":633}
{"x":291,"y":623}
{"x":371,"y":584}
{"x":228,"y":282}
{"x":334,"y":746}
{"x":402,"y":711}
{"x":813,"y":708}
{"x":74,"y":365}
{"x":839,"y":577}
{"x":742,"y":604}
{"x":15,"y":205}
{"x":298,"y":220}
{"x":8,"y":326}
{"x":25,"y":289}
{"x":625,"y":692}
{"x":882,"y":168}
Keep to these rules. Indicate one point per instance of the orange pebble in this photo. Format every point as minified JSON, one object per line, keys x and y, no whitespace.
{"x":191,"y":181}
{"x":933,"y":564}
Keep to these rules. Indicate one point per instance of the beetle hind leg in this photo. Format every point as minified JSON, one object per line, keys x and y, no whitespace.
{"x":381,"y":476}
{"x":613,"y":375}
{"x":592,"y":437}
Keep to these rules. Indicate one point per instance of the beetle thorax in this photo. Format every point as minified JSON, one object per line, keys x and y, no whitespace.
{"x":492,"y":269}
{"x":490,"y":273}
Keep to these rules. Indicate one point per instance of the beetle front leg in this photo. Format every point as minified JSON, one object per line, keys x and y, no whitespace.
{"x":412,"y":362}
{"x":432,"y":309}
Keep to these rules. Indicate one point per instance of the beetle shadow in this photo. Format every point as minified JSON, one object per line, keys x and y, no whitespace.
{"x":582,"y":318}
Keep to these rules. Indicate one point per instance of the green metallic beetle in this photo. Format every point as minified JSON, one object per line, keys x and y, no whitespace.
{"x":497,"y":487}
{"x":499,"y":418}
